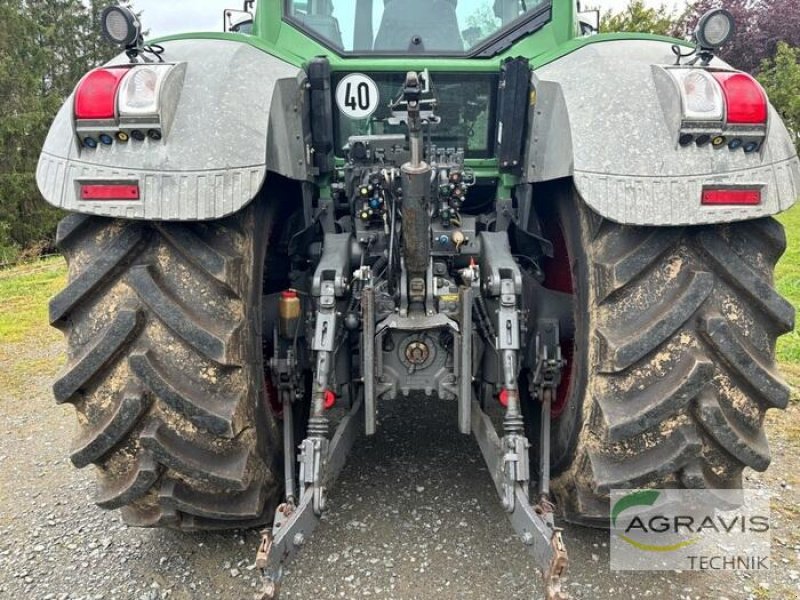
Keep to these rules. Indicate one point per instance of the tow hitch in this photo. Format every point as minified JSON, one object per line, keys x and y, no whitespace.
{"x":534,"y":523}
{"x":507,"y":458}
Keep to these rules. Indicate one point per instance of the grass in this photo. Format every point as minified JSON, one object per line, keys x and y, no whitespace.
{"x":24,"y":294}
{"x":25,"y":337}
{"x":787,"y":279}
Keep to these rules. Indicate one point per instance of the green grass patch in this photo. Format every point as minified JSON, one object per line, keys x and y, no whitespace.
{"x":787,"y":279}
{"x":24,"y":295}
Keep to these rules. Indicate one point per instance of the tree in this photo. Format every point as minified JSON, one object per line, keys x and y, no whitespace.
{"x":780,"y":77}
{"x":481,"y":24}
{"x":46,"y":46}
{"x":638,"y":18}
{"x":24,"y":112}
{"x":760,"y":26}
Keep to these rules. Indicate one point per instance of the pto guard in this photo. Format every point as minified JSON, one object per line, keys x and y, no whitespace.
{"x":603,"y":117}
{"x":216,"y":155}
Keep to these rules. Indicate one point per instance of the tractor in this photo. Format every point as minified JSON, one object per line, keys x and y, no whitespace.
{"x":278,"y":229}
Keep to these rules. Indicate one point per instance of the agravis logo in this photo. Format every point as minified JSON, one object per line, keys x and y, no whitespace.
{"x":631,"y":501}
{"x":689,"y":529}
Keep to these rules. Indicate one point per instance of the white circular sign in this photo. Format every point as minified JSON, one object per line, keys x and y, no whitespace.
{"x":357,"y":96}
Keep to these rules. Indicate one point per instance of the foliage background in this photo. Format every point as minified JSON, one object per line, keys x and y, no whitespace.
{"x":46,"y":46}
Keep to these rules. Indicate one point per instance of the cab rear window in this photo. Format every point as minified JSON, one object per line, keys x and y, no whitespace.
{"x":386,"y":27}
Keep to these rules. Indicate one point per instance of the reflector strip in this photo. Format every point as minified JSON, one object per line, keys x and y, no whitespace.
{"x":110,"y":192}
{"x":731,"y":197}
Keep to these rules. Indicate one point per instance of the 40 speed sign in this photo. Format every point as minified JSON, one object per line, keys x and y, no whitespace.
{"x":357,"y":96}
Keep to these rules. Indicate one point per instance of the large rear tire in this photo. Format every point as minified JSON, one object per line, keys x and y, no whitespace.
{"x":163,"y":326}
{"x":674,"y":363}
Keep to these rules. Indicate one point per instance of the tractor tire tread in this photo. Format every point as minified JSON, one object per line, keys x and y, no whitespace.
{"x":96,"y":274}
{"x":99,"y":357}
{"x":183,"y":321}
{"x":681,"y":363}
{"x":98,"y":441}
{"x":124,"y":490}
{"x":222,"y":267}
{"x":164,"y":368}
{"x":228,"y":471}
{"x":246,"y":504}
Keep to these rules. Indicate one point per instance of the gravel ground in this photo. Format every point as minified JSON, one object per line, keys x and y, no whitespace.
{"x":414,"y":515}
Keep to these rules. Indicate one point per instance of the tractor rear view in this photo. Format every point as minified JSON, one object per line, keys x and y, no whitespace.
{"x":279,"y":229}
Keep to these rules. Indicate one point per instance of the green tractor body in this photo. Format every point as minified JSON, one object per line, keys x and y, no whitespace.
{"x":276,"y":229}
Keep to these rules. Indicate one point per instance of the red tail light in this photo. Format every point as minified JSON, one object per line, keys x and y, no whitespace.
{"x":96,"y":96}
{"x":746,"y":101}
{"x":731,"y":197}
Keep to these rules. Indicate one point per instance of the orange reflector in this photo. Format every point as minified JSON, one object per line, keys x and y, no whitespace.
{"x":110,"y":192}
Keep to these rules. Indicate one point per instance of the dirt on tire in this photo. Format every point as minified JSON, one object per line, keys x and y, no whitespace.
{"x":678,"y":355}
{"x":164,"y":368}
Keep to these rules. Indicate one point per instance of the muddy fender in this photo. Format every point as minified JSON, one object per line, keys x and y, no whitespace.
{"x":238,"y":115}
{"x":608,"y":116}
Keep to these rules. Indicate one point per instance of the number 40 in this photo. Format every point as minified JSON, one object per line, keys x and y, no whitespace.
{"x":361,"y":99}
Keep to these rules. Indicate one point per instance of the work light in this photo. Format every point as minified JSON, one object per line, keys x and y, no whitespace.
{"x":715,"y":28}
{"x":120,"y":25}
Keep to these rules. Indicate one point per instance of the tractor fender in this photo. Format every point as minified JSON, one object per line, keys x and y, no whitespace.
{"x":239,"y":114}
{"x":608,"y":116}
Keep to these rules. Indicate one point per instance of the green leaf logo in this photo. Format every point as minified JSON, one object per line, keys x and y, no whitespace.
{"x":640,"y":498}
{"x":643,"y":498}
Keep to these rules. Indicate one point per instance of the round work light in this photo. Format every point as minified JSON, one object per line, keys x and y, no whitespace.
{"x":715,"y":28}
{"x":120,"y":25}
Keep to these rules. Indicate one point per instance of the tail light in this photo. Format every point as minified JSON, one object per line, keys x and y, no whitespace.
{"x":745,"y":99}
{"x":716,"y":95}
{"x":701,"y":96}
{"x":96,"y":96}
{"x":140,"y":91}
{"x":127,"y":102}
{"x":718,"y":109}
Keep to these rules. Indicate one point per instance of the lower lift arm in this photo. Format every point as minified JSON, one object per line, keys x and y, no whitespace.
{"x":507,"y":458}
